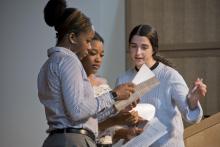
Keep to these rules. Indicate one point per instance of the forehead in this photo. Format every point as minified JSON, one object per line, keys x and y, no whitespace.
{"x":97,"y":43}
{"x":87,"y":35}
{"x":140,"y":40}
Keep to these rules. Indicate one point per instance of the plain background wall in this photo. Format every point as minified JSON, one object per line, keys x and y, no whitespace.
{"x":24,"y":40}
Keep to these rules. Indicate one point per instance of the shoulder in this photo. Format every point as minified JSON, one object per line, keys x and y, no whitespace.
{"x":101,"y":86}
{"x":100,"y":80}
{"x":171,"y":75}
{"x":168,"y":72}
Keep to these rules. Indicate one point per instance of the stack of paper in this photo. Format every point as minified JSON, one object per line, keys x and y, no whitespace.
{"x":153,"y":130}
{"x":145,"y":81}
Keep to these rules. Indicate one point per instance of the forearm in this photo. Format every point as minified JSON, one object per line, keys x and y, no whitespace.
{"x":109,"y":122}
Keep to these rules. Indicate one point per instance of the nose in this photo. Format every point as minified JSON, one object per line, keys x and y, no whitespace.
{"x":89,"y":46}
{"x":98,"y":59}
{"x":138,"y":51}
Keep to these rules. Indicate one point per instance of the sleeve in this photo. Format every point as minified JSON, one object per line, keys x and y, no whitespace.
{"x":105,"y":114}
{"x":119,"y":81}
{"x":179,"y":92}
{"x":74,"y":86}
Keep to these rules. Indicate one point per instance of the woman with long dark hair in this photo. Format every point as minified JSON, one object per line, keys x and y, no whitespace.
{"x":171,"y":98}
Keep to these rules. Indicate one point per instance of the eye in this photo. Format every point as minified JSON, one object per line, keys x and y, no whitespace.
{"x":102,"y":55}
{"x":133,"y":46}
{"x":144,"y":47}
{"x":93,"y":52}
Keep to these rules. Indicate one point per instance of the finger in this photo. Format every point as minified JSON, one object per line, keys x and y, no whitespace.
{"x":138,"y":100}
{"x":138,"y":131}
{"x":133,"y":104}
{"x":130,"y":84}
{"x":130,"y":89}
{"x":203,"y":91}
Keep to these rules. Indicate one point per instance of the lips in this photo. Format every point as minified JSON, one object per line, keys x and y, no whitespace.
{"x":138,"y":58}
{"x":96,"y":66}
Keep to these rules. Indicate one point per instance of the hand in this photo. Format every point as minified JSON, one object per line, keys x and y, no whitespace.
{"x":199,"y":90}
{"x":133,"y":119}
{"x":124,"y":91}
{"x":124,"y":118}
{"x":127,"y":118}
{"x":131,"y":106}
{"x":127,"y":133}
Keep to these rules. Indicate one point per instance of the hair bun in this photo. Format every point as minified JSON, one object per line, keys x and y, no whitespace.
{"x":53,"y":11}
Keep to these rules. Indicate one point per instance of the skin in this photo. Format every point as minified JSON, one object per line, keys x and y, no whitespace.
{"x":79,"y":44}
{"x":141,"y":52}
{"x":92,"y":62}
{"x":82,"y":44}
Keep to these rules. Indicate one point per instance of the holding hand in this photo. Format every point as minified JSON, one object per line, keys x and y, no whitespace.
{"x":127,"y":118}
{"x":124,"y":91}
{"x":199,"y":90}
{"x":126,"y":133}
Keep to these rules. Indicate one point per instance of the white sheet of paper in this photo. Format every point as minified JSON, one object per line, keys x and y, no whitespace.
{"x":142,"y":75}
{"x":153,"y":130}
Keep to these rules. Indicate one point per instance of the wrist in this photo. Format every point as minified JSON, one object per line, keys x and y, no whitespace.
{"x":114,"y":95}
{"x":192,"y":102}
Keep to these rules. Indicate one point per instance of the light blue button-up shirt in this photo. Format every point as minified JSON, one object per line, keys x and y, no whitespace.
{"x":66,"y":93}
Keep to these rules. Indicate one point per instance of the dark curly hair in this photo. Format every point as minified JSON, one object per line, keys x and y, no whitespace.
{"x":98,"y":37}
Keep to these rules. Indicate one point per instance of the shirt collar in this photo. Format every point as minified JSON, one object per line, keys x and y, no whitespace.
{"x":151,"y":68}
{"x":52,"y":50}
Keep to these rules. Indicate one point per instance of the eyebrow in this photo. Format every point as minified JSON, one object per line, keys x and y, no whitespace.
{"x":144,"y":45}
{"x":141,"y":44}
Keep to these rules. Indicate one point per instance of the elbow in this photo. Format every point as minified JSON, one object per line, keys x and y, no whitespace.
{"x":82,"y":114}
{"x":78,"y":114}
{"x":77,"y":117}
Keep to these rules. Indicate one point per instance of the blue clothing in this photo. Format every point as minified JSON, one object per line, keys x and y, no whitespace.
{"x":66,"y":93}
{"x":170,"y":101}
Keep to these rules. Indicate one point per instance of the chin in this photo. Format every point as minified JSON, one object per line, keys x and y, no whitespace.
{"x":139,"y":64}
{"x":94,"y":71}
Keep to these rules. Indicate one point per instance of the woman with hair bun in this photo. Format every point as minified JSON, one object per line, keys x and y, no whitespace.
{"x":63,"y":87}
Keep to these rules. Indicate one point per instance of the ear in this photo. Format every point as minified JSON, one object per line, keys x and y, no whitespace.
{"x":72,"y":38}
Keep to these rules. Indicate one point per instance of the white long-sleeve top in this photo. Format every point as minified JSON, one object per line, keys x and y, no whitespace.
{"x":170,"y":101}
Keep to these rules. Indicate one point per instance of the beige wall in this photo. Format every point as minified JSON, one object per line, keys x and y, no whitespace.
{"x":189,"y":35}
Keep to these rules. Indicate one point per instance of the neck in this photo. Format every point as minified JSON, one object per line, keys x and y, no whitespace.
{"x":150,"y":62}
{"x":91,"y":77}
{"x":65,"y":43}
{"x":149,"y":65}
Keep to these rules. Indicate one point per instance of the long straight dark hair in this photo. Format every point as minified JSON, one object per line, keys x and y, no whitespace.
{"x":151,"y":33}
